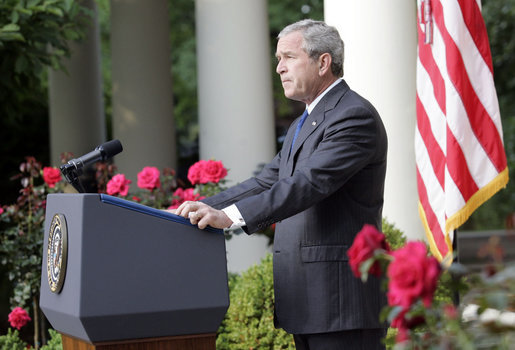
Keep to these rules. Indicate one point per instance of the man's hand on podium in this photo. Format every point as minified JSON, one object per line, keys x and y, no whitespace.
{"x":203,"y":215}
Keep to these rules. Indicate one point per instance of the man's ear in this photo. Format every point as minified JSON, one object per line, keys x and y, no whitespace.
{"x":324,"y":63}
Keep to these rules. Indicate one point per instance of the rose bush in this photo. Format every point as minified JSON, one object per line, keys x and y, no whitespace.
{"x":160,"y":189}
{"x":154,"y":187}
{"x":483,"y":320}
{"x":22,"y":223}
{"x":21,"y":234}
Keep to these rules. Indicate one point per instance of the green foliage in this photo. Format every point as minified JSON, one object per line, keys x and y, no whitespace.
{"x":394,"y":236}
{"x":249,"y":323}
{"x":55,"y":342}
{"x":104,"y":23}
{"x":27,"y":30}
{"x":12,"y":341}
{"x":21,"y":234}
{"x":184,"y":74}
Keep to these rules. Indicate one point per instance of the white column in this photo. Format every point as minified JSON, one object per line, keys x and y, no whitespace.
{"x":235,"y":98}
{"x":77,"y":122}
{"x":234,"y":84}
{"x":380,"y":57}
{"x":142,"y":85}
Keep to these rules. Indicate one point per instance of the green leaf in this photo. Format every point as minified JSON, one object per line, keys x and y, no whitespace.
{"x":68,"y":5}
{"x":21,"y":64}
{"x":24,"y":11}
{"x":11,"y":27}
{"x":55,"y":11}
{"x":15,"y":16}
{"x":32,"y":3}
{"x":365,"y":267}
{"x":394,"y":312}
{"x":383,"y":315}
{"x":11,"y":37}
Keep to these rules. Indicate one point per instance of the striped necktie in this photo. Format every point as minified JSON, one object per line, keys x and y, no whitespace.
{"x":299,"y":126}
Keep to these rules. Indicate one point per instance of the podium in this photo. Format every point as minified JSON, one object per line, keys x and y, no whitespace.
{"x":120,"y":275}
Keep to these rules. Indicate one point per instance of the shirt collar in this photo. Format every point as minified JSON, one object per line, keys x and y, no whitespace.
{"x":315,"y":102}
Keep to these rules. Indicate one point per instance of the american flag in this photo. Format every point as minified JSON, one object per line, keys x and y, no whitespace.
{"x":459,"y":147}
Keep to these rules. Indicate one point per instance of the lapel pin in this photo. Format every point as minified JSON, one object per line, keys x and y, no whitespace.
{"x":314,"y":123}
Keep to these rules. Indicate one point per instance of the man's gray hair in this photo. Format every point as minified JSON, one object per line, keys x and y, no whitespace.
{"x":319,"y":38}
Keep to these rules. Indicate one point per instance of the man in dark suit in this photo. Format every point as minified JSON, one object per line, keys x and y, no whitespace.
{"x":321,"y":188}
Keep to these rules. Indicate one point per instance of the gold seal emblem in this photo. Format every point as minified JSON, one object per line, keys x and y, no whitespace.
{"x":57,"y":249}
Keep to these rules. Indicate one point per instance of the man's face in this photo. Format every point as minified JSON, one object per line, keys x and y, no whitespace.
{"x":299,"y":73}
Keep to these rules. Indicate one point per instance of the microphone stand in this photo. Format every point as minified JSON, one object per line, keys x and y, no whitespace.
{"x":71,"y":175}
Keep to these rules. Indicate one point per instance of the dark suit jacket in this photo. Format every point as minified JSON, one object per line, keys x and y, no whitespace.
{"x":320,"y":196}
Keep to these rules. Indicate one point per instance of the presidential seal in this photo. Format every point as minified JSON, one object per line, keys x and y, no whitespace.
{"x":57,"y":249}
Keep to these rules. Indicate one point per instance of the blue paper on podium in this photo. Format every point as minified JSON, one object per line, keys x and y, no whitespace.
{"x":151,"y":211}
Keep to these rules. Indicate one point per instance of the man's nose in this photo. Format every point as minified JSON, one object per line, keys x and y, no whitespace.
{"x":280,"y":68}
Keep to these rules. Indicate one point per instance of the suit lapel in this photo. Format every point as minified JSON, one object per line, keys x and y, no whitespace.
{"x":313,"y":121}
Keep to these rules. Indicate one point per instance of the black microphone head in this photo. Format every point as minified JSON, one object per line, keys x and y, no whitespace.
{"x":110,"y":149}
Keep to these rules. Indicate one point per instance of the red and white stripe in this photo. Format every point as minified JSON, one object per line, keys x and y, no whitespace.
{"x":459,"y":148}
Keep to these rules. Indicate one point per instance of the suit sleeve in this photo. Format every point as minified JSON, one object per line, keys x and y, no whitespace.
{"x":253,"y":186}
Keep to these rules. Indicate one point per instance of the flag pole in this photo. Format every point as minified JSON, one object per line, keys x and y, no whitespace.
{"x":454,"y":276}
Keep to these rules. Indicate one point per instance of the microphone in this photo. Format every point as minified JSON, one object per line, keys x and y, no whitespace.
{"x":73,"y":168}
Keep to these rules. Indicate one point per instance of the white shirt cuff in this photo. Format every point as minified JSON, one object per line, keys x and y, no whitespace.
{"x":234,"y":214}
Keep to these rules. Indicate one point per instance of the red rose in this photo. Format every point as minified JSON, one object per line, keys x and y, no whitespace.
{"x":148,"y":178}
{"x":118,"y":185}
{"x":190,"y":195}
{"x":412,"y":274}
{"x":184,"y":195}
{"x":205,"y":171}
{"x":1,"y":210}
{"x":18,"y":318}
{"x":51,"y":176}
{"x":366,"y":242}
{"x":177,"y":201}
{"x":212,"y":171}
{"x":194,"y":172}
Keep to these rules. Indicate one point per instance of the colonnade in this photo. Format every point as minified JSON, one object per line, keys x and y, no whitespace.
{"x":236,"y":118}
